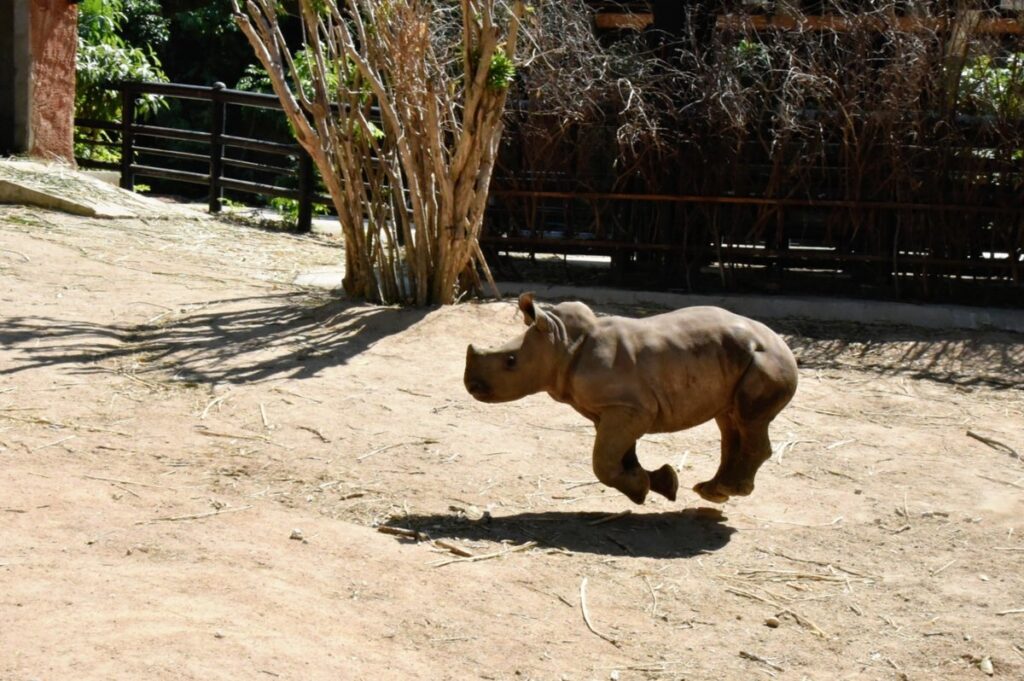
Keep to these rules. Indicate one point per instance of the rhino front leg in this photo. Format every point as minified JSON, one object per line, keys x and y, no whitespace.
{"x":615,"y":462}
{"x":664,"y":481}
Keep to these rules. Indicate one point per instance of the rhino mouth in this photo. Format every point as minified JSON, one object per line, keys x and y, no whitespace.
{"x":479,"y":389}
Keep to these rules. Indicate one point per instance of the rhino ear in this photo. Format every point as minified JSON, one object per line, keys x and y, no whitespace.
{"x":528,"y":307}
{"x":533,"y":314}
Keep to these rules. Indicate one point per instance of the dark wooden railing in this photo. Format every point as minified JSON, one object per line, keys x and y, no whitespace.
{"x":135,"y":146}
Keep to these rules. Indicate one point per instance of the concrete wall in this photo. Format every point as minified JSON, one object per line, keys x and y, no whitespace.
{"x":53,"y":26}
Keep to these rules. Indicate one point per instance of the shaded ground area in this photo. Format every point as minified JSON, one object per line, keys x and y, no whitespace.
{"x":173,"y":411}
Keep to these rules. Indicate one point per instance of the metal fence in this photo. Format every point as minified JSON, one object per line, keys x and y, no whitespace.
{"x":214,"y":156}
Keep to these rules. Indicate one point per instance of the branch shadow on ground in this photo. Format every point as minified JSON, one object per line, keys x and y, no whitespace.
{"x":672,"y":534}
{"x":953,"y":356}
{"x":235,"y":340}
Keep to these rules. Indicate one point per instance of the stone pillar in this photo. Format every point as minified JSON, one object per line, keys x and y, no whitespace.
{"x":53,"y":26}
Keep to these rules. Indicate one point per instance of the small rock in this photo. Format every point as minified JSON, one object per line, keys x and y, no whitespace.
{"x":986,"y":666}
{"x":297,"y":535}
{"x":614,"y":676}
{"x":218,"y":634}
{"x":772,"y":622}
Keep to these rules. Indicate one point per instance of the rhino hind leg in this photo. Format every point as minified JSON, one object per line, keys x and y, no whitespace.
{"x":716,"y":490}
{"x":766,"y":387}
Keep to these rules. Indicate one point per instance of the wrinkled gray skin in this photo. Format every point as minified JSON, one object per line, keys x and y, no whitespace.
{"x":656,"y":375}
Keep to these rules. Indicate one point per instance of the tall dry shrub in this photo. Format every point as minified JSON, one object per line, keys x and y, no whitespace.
{"x":401,"y":111}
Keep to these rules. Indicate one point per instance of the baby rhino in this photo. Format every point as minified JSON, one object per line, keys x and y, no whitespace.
{"x":655,"y":375}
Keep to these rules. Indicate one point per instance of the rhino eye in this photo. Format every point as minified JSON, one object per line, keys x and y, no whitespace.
{"x":510,"y":361}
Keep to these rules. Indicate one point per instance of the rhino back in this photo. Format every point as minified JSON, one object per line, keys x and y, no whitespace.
{"x":677,"y":369}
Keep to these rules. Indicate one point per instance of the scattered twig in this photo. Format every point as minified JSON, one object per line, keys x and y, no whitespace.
{"x":214,"y":402}
{"x":791,"y":522}
{"x":55,"y":443}
{"x":586,"y":615}
{"x":938,"y":570}
{"x":385,"y":448}
{"x":263,"y":415}
{"x":292,"y":392}
{"x":994,"y":444}
{"x":487,"y":556}
{"x":195,"y":516}
{"x":18,"y":253}
{"x":797,"y":616}
{"x":202,"y":430}
{"x":56,"y":424}
{"x":1015,"y":611}
{"x":132,"y":377}
{"x":323,"y":438}
{"x":581,"y":483}
{"x":787,"y":575}
{"x":403,"y":532}
{"x":1008,"y":548}
{"x":125,"y":489}
{"x":824,"y":564}
{"x":757,"y":658}
{"x":610,"y":518}
{"x":654,"y":597}
{"x":423,"y":537}
{"x":412,"y":392}
{"x":124,"y":482}
{"x":454,"y":548}
{"x":1002,"y":482}
{"x":903,"y":674}
{"x":781,"y":450}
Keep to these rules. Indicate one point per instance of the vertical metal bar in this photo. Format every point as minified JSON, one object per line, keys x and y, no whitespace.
{"x":216,"y":147}
{"x":305,"y":223}
{"x":127,"y":138}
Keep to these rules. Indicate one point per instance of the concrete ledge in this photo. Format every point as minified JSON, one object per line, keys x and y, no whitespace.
{"x":793,"y":307}
{"x":61,"y":187}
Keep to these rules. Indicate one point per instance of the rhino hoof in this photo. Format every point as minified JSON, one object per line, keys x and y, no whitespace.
{"x":711,"y":491}
{"x":665,"y":482}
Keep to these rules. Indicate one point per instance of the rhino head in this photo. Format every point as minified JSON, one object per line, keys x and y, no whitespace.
{"x":523,"y":366}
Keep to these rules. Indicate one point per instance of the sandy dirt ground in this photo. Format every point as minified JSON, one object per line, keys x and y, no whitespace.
{"x":195,"y":456}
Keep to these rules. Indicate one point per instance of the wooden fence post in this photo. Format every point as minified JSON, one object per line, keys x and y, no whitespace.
{"x":127,"y":138}
{"x":306,"y":186}
{"x":217,"y":147}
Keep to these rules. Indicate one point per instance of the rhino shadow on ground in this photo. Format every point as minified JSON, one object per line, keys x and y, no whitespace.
{"x":232,"y":340}
{"x":668,"y":534}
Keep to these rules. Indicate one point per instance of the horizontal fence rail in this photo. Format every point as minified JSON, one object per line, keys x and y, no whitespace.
{"x":140,"y":157}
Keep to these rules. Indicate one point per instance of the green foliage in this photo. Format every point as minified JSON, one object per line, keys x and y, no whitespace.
{"x":105,"y":57}
{"x":989,"y":87}
{"x":501,"y":72}
{"x":256,"y":79}
{"x":289,"y":208}
{"x":145,"y":23}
